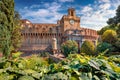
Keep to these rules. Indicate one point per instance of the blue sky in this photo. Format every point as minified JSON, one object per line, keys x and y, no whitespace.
{"x":93,"y":13}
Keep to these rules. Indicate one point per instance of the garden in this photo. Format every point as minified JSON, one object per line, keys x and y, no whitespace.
{"x":73,"y":67}
{"x":100,"y":62}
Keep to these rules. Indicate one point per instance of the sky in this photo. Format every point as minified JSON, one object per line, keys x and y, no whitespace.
{"x":93,"y":13}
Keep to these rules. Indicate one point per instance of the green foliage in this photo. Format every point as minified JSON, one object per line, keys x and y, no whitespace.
{"x":101,"y":47}
{"x":16,"y":34}
{"x":116,"y":19}
{"x":109,"y":36}
{"x":69,"y":47}
{"x":100,"y":32}
{"x":6,"y":26}
{"x":74,"y":67}
{"x":109,"y":27}
{"x":10,"y":36}
{"x":16,"y":55}
{"x":117,"y":45}
{"x":112,"y":37}
{"x":118,"y":30}
{"x":56,"y":76}
{"x":9,"y":28}
{"x":26,"y":78}
{"x":88,"y":48}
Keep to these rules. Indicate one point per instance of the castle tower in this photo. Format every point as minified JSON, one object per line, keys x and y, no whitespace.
{"x":71,"y":12}
{"x":70,"y":21}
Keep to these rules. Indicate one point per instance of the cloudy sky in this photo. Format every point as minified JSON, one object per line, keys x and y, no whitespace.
{"x":93,"y":13}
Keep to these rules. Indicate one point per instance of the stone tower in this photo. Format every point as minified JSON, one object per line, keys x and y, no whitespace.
{"x":70,"y":21}
{"x":71,"y":12}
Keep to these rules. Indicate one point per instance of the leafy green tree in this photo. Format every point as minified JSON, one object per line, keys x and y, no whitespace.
{"x":69,"y":47}
{"x":118,"y":30}
{"x":111,"y":20}
{"x":116,"y":46}
{"x":104,"y":46}
{"x":109,"y":27}
{"x":16,"y":35}
{"x":116,"y":19}
{"x":9,"y":29}
{"x":88,"y":47}
{"x":100,"y":32}
{"x":109,"y":36}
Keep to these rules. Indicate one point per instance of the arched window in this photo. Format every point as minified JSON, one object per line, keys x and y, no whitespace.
{"x":50,"y":30}
{"x":57,"y":29}
{"x":71,"y":13}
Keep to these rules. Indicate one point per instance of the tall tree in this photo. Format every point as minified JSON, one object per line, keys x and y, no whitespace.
{"x":8,"y":27}
{"x":116,"y":19}
{"x":118,"y":15}
{"x":16,"y":35}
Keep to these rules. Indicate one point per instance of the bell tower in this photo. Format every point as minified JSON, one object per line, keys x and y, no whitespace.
{"x":70,"y":21}
{"x":71,"y":12}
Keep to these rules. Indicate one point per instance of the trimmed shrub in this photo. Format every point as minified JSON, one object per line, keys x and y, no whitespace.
{"x":103,"y":46}
{"x":69,"y":47}
{"x":109,"y":36}
{"x":88,"y":47}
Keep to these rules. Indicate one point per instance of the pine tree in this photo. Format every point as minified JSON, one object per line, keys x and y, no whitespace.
{"x":9,"y":30}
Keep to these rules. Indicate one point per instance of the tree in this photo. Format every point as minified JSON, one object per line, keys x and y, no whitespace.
{"x":109,"y":27}
{"x":88,"y":47}
{"x":116,"y":19}
{"x":109,"y":36}
{"x":118,"y":15}
{"x":111,"y":21}
{"x":16,"y":35}
{"x":69,"y":47}
{"x":100,"y":32}
{"x":8,"y":28}
{"x":118,"y":30}
{"x":104,"y":46}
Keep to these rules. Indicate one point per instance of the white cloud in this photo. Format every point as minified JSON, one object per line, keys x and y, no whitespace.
{"x":92,"y":16}
{"x":87,"y":9}
{"x":104,"y":1}
{"x":66,"y":0}
{"x":35,"y":6}
{"x":95,"y":17}
{"x":115,"y":3}
{"x":48,"y":14}
{"x":105,"y":6}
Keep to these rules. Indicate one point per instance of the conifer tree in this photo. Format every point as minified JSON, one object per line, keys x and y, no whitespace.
{"x":8,"y":27}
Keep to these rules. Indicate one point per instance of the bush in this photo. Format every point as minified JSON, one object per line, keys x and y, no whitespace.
{"x":109,"y":36}
{"x":74,"y":67}
{"x":69,"y":47}
{"x":103,"y":46}
{"x":88,"y":47}
{"x":117,"y":45}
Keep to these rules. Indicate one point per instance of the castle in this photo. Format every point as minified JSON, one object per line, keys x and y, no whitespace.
{"x":41,"y":37}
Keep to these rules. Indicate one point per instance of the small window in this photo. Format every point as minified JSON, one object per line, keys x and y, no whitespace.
{"x":57,"y":29}
{"x":71,"y":13}
{"x":50,"y":30}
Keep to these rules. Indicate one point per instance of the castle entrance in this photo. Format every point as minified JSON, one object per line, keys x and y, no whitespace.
{"x":76,"y":36}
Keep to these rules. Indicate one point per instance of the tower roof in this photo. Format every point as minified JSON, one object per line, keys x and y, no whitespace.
{"x":71,"y":9}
